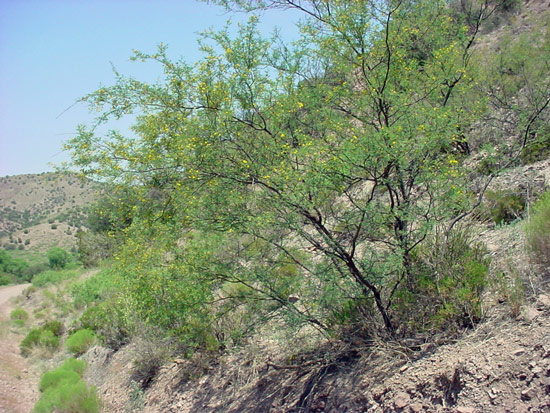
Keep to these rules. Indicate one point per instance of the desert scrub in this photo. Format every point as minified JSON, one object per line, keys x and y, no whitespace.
{"x":537,"y":230}
{"x":80,"y":341}
{"x":504,"y":207}
{"x":46,"y":336}
{"x":63,"y":390}
{"x":19,"y":316}
{"x":53,"y":277}
{"x":450,"y":275}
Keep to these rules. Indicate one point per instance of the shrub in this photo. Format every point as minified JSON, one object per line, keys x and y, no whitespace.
{"x":57,"y":257}
{"x":63,"y":390}
{"x":19,"y":316}
{"x":107,"y":321}
{"x":504,"y":207}
{"x":56,"y":327}
{"x":73,"y":364}
{"x":79,"y":342}
{"x":538,"y":230}
{"x":5,"y":280}
{"x":450,"y":275}
{"x":52,"y":277}
{"x":46,"y":336}
{"x":55,"y":377}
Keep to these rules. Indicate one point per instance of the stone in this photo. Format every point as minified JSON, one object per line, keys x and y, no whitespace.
{"x":528,"y":394}
{"x":464,"y":409}
{"x":543,"y":300}
{"x":518,"y":352}
{"x":416,"y":407}
{"x":531,"y":314}
{"x":401,"y":400}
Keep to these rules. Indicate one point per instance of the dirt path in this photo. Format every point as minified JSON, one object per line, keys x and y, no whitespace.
{"x":18,"y":384}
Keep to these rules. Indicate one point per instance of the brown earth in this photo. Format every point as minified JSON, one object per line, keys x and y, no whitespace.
{"x":18,"y":382}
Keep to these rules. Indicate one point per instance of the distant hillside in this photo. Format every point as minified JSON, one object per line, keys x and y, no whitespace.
{"x":39,"y":210}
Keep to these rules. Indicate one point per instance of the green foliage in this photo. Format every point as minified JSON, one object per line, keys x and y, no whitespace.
{"x":46,"y":336}
{"x":95,"y":288}
{"x":537,"y":230}
{"x":80,"y":341}
{"x":57,"y":258}
{"x":14,"y":266}
{"x":53,"y":277}
{"x":300,"y":183}
{"x":135,"y":401}
{"x":539,"y":148}
{"x":55,"y":377}
{"x":447,"y":292}
{"x":63,"y":390}
{"x":511,"y":290}
{"x":19,"y":315}
{"x":5,"y":279}
{"x":93,"y":247}
{"x":504,"y":206}
{"x":109,"y":321}
{"x":72,"y":364}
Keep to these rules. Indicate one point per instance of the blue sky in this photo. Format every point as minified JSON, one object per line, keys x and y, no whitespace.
{"x":54,"y":51}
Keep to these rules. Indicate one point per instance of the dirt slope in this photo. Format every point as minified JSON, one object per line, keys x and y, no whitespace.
{"x":18,"y":383}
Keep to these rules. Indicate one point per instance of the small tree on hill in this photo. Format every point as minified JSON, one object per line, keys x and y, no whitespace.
{"x":57,"y":257}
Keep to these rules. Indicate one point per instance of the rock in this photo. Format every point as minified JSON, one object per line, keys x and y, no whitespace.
{"x":416,"y":407}
{"x":463,"y":409}
{"x":518,"y":352}
{"x":530,"y":314}
{"x":528,"y":394}
{"x":401,"y":400}
{"x":543,"y":301}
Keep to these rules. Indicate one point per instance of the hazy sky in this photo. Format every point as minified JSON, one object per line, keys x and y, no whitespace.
{"x":54,"y":51}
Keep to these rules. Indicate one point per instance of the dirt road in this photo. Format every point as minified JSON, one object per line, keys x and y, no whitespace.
{"x":18,"y":384}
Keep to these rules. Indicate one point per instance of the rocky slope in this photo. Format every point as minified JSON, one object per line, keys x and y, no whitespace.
{"x":503,"y":365}
{"x":36,"y":210}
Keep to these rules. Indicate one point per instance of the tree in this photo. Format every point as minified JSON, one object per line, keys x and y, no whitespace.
{"x":57,"y":257}
{"x":311,"y":173}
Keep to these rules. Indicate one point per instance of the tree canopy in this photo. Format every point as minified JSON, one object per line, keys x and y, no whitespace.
{"x":299,"y":181}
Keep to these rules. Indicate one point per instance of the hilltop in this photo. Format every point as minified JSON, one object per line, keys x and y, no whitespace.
{"x":41,"y":210}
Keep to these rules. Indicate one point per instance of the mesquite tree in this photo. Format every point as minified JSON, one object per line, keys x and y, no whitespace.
{"x":311,"y":172}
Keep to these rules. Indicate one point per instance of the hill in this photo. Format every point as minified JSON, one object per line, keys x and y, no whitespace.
{"x":41,"y":210}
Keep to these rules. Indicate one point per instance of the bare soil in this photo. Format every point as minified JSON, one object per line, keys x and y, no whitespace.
{"x":18,"y":381}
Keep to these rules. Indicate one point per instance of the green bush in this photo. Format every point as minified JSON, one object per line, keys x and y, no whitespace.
{"x":504,"y":207}
{"x":76,"y":365}
{"x":5,"y":280}
{"x":108,"y":322}
{"x":57,"y":257}
{"x":46,"y":336}
{"x":63,"y":390}
{"x":537,"y":230}
{"x":55,"y":377}
{"x":449,"y":277}
{"x":19,"y":316}
{"x":53,"y":277}
{"x":80,"y":341}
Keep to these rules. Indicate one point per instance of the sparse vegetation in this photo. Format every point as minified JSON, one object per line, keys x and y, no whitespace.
{"x":19,"y":316}
{"x":538,"y":230}
{"x":327,"y":188}
{"x":47,"y":336}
